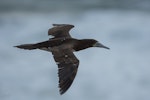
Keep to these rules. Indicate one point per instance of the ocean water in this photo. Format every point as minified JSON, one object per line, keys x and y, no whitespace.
{"x":121,"y":73}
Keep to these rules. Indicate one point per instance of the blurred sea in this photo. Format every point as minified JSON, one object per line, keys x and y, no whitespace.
{"x":121,"y":73}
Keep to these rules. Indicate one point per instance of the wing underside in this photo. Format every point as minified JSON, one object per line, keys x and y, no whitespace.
{"x":67,"y":68}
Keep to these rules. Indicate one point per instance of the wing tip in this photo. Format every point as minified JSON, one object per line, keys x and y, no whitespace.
{"x":63,"y":25}
{"x":61,"y":92}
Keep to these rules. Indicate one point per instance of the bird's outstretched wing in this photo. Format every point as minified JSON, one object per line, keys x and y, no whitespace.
{"x":67,"y":68}
{"x":60,"y":30}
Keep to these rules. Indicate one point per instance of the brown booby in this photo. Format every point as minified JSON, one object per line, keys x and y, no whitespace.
{"x":62,"y":46}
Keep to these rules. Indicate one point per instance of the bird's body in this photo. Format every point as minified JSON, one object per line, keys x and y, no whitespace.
{"x":62,"y":46}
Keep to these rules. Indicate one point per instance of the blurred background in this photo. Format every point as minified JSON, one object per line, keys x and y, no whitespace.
{"x":121,"y":73}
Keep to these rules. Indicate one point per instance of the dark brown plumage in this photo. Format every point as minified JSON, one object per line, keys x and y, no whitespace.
{"x":62,"y":46}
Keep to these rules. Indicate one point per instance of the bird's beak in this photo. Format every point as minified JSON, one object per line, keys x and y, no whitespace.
{"x":97,"y":44}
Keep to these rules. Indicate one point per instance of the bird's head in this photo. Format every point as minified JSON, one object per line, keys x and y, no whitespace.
{"x":98,"y":44}
{"x":87,"y":43}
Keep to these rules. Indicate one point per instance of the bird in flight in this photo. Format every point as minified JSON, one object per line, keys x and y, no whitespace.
{"x":62,"y":46}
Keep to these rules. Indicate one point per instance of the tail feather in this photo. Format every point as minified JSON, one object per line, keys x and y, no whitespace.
{"x":27,"y":46}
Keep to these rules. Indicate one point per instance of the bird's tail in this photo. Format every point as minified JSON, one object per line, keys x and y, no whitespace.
{"x":27,"y":46}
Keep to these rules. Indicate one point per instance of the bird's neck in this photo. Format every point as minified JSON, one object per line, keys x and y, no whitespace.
{"x":82,"y":44}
